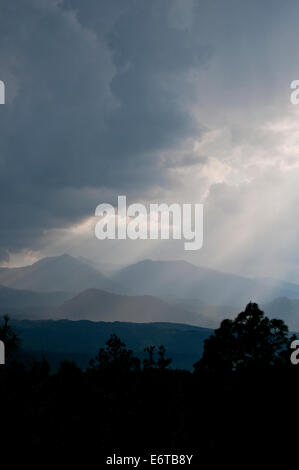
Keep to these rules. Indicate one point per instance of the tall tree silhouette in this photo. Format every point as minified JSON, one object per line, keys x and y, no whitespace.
{"x":251,"y":340}
{"x":115,"y":356}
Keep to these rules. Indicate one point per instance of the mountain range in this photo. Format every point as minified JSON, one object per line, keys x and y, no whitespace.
{"x":168,"y":291}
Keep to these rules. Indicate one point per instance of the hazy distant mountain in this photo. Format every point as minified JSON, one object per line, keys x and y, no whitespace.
{"x":285,"y":309}
{"x":98,"y":305}
{"x":59,"y":273}
{"x":80,"y":340}
{"x":18,"y":298}
{"x":19,"y":303}
{"x":210,"y":315}
{"x":108,"y":269}
{"x":184,"y":280}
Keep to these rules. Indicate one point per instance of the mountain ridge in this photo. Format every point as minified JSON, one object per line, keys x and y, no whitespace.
{"x":99,"y":305}
{"x":56,"y":273}
{"x":185,"y":280}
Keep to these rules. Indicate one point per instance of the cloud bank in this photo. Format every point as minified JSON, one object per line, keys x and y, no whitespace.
{"x":159,"y":100}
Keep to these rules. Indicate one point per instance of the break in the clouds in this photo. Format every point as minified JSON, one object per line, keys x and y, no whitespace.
{"x":182,"y":101}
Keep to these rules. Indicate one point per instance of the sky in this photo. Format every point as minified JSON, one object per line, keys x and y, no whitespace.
{"x":184,"y":101}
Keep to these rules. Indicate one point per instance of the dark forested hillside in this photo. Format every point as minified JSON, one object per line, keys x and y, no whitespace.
{"x":80,"y":340}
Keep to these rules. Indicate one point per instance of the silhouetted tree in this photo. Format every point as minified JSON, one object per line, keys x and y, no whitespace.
{"x":251,"y":340}
{"x":115,"y":356}
{"x":114,"y":403}
{"x":150,"y":362}
{"x":9,"y":337}
{"x":163,"y":363}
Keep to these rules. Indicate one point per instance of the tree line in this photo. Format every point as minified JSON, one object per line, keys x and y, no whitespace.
{"x":239,"y":399}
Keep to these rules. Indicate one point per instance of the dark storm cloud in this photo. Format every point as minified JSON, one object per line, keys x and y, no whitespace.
{"x":149,"y":98}
{"x":95,"y":90}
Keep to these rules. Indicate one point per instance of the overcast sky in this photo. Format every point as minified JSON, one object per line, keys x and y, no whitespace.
{"x":160,"y":100}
